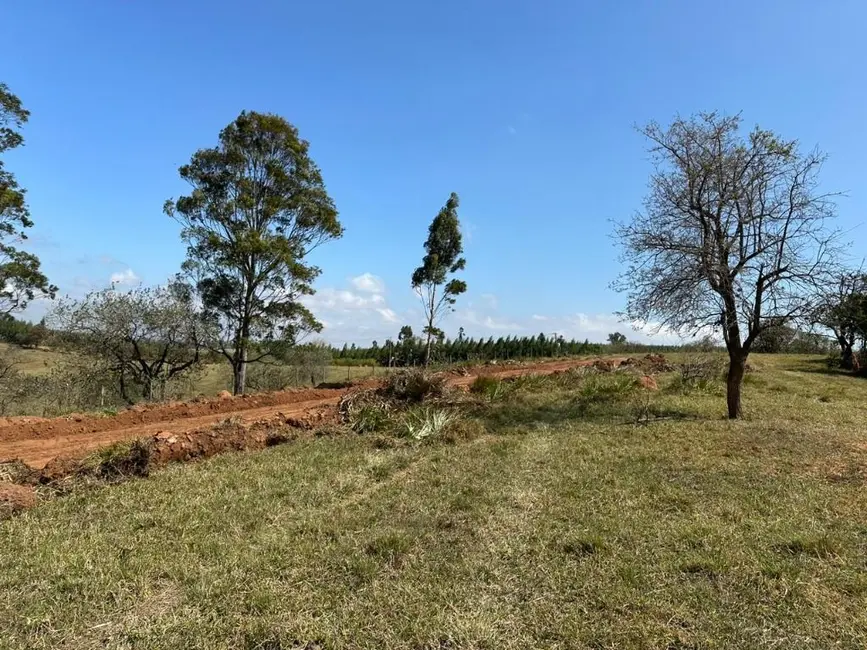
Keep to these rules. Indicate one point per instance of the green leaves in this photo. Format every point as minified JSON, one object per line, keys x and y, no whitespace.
{"x":21,"y":279}
{"x":443,"y":247}
{"x":257,"y":208}
{"x":443,"y":250}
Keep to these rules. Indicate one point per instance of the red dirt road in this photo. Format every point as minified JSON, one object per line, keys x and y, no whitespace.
{"x":37,"y":441}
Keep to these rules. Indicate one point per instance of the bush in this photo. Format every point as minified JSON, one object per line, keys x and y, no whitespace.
{"x":354,"y":362}
{"x":370,"y":418}
{"x":19,"y":332}
{"x":268,"y":377}
{"x":699,"y":372}
{"x":300,"y":365}
{"x":487,"y":386}
{"x":413,"y":385}
{"x":607,"y":387}
{"x":119,"y":461}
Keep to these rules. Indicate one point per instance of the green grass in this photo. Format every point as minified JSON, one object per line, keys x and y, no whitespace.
{"x":218,"y":376}
{"x":214,"y":377}
{"x":566,"y":526}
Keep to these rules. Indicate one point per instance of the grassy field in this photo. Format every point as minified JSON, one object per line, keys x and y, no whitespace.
{"x":214,"y":378}
{"x":561,"y":524}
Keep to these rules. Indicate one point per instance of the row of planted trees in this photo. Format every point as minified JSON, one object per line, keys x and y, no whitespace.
{"x":410,"y":350}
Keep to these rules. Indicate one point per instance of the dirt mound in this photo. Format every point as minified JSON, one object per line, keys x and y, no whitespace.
{"x":648,"y":383}
{"x":656,"y":363}
{"x":141,"y":414}
{"x":39,"y":442}
{"x":14,"y":498}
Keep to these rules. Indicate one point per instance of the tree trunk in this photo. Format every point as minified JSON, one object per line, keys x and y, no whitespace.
{"x":427,"y":350}
{"x":734,"y":380}
{"x":123,"y":393}
{"x":847,"y":355}
{"x":239,"y":371}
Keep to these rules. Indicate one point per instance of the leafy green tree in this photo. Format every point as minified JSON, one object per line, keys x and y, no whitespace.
{"x":443,"y":250}
{"x":257,"y":208}
{"x":844,"y":312}
{"x":734,"y":236}
{"x":616,"y":338}
{"x":405,"y":334}
{"x":21,"y":279}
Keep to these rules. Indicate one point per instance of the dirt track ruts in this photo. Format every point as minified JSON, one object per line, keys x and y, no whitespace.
{"x":37,"y":441}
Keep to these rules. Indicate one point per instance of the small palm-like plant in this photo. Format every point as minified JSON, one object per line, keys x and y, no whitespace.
{"x":426,"y":422}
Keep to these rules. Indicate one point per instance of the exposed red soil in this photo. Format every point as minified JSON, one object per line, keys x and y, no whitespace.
{"x":184,"y":430}
{"x":15,"y":497}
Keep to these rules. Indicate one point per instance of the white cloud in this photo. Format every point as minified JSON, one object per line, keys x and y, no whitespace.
{"x":126,"y":278}
{"x":468,"y":229}
{"x":596,"y":328}
{"x":368,"y":283}
{"x":388,"y":315}
{"x":485,"y":323}
{"x":358,"y":314}
{"x":490,"y":300}
{"x":342,"y":300}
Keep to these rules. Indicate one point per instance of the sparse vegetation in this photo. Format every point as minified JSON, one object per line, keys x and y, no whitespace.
{"x":143,"y":339}
{"x":526,"y":522}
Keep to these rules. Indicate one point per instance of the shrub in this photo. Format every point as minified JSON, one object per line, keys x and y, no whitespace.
{"x":119,"y":461}
{"x":606,"y":387}
{"x":463,"y":430}
{"x":487,"y":386}
{"x":413,"y":385}
{"x":19,"y":332}
{"x":370,"y":418}
{"x":699,"y":372}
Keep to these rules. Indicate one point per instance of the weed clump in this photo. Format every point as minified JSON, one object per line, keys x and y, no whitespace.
{"x":489,"y":387}
{"x":582,"y":547}
{"x":366,"y":411}
{"x":818,"y":547}
{"x":414,"y":385}
{"x":119,"y":461}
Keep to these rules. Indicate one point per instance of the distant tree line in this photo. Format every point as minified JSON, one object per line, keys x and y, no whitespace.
{"x":410,"y":350}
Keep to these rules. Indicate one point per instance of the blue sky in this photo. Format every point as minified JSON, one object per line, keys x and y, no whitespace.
{"x":526,"y":109}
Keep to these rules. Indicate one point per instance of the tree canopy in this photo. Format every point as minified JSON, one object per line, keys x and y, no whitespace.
{"x":145,"y":336}
{"x":443,"y":250}
{"x":257,"y":208}
{"x":21,"y":277}
{"x":844,"y":312}
{"x":733,"y":236}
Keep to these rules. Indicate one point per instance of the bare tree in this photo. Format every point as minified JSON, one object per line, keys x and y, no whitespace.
{"x":733,"y":236}
{"x":145,"y":336}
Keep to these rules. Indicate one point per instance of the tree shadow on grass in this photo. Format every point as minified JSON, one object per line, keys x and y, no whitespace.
{"x":823,"y":367}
